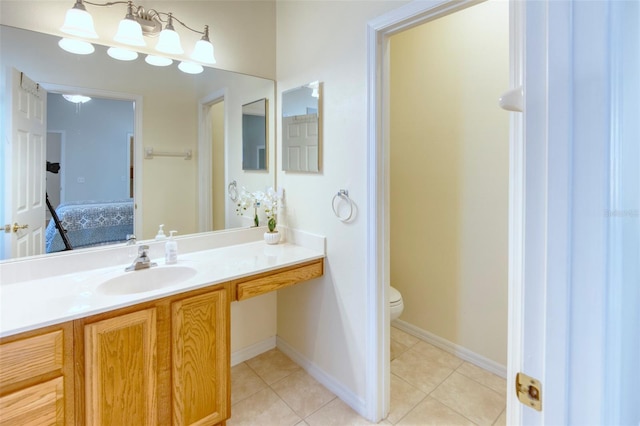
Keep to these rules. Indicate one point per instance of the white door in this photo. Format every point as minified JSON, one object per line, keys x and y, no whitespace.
{"x":300,"y":143}
{"x":26,"y":198}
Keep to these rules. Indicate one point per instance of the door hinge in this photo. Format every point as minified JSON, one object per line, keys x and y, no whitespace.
{"x":529,"y":391}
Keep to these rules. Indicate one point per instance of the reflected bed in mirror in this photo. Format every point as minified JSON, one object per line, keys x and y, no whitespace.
{"x":174,"y":112}
{"x":255,"y":135}
{"x":302,"y":128}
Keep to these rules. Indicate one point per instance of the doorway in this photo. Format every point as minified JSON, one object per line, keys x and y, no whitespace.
{"x":448,"y":192}
{"x":380,"y":31}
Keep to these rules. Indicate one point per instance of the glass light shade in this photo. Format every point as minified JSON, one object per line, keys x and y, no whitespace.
{"x":203,"y":52}
{"x":79,"y":47}
{"x":77,"y":99}
{"x":169,"y":42}
{"x":158,"y":61}
{"x":129,"y":32}
{"x":190,"y":67}
{"x":79,"y":23}
{"x":122,"y":54}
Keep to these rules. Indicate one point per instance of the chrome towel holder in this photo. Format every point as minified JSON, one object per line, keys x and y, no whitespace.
{"x":342,"y":195}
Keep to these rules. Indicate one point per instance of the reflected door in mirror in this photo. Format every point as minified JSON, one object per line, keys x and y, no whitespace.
{"x":302,"y":128}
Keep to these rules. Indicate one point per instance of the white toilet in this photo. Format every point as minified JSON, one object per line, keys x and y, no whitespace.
{"x":395,"y":303}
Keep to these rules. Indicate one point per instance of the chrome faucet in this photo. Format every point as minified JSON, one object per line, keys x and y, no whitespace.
{"x":142,"y":261}
{"x":131,"y":240}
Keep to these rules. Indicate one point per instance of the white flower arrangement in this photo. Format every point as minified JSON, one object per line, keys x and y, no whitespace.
{"x":269,"y":200}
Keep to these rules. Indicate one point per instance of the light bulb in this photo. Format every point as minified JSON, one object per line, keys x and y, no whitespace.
{"x":122,"y":54}
{"x":79,"y":47}
{"x":190,"y":67}
{"x":129,"y":32}
{"x":169,"y":40}
{"x":158,"y":61}
{"x":78,"y":22}
{"x":203,"y":50}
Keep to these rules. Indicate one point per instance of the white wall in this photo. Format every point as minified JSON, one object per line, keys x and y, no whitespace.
{"x":449,"y":177}
{"x":325,"y":320}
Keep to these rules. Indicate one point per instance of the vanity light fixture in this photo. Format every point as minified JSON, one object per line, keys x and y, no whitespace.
{"x":137,"y":24}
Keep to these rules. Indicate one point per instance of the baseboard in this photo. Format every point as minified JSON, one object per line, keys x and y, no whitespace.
{"x":452,"y":348}
{"x":329,"y":382}
{"x":256,"y":349}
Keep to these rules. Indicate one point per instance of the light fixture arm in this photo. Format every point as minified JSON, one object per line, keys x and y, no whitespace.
{"x":138,"y":12}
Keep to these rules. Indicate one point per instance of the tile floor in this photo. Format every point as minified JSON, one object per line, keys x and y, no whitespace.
{"x":428,"y":387}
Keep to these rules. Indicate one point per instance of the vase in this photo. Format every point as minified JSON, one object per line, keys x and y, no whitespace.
{"x":272,"y":237}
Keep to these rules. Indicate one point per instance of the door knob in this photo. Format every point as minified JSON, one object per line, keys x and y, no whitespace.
{"x":8,"y":228}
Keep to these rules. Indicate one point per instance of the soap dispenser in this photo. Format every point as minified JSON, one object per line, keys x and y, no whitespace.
{"x":171,"y":249}
{"x":161,"y":235}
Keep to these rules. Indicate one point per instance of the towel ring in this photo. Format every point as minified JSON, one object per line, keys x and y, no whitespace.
{"x":343,"y":194}
{"x":232,"y":191}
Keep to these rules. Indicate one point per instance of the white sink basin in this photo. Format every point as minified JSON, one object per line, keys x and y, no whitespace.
{"x":144,"y":280}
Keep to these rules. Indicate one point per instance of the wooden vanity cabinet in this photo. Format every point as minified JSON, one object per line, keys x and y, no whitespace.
{"x":36,"y":377}
{"x":162,"y":362}
{"x":165,"y":362}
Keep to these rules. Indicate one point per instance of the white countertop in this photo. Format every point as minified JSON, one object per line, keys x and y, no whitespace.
{"x":37,"y":303}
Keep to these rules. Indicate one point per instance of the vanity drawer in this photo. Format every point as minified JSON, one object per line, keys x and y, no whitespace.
{"x":276,"y":280}
{"x":31,"y":357}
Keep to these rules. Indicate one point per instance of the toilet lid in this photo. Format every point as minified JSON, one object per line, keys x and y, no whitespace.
{"x":394,"y":296}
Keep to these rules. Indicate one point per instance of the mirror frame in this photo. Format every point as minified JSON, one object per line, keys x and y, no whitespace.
{"x":264,"y":110}
{"x":316,"y":88}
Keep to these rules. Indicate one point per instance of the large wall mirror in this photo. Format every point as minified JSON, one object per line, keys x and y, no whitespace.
{"x":302,"y":128}
{"x":255,"y":135}
{"x":196,"y":120}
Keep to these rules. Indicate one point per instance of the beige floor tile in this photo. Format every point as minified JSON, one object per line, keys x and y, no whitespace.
{"x":404,"y":397}
{"x":336,"y":413}
{"x":263,"y":408}
{"x":484,"y":377}
{"x":502,"y":420}
{"x":302,"y":393}
{"x":471,"y":399}
{"x":302,"y":423}
{"x":403,"y":337}
{"x":272,"y":366}
{"x":432,"y":412}
{"x":244,"y":382}
{"x":422,"y":373}
{"x":432,"y":353}
{"x":397,"y":349}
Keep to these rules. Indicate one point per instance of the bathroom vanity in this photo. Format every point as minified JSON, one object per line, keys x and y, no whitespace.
{"x":157,"y":356}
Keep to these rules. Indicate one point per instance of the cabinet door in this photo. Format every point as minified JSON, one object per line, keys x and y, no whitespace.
{"x":200,"y":335}
{"x":41,"y":404}
{"x":120,"y":366}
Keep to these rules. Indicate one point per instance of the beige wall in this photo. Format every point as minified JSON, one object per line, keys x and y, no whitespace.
{"x":449,"y":177}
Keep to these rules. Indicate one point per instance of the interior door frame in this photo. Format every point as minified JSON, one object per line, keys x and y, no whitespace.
{"x":378,"y":369}
{"x":205,"y":168}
